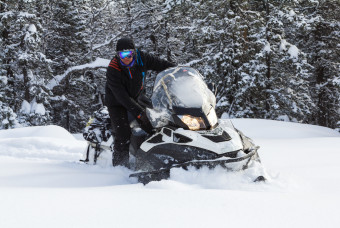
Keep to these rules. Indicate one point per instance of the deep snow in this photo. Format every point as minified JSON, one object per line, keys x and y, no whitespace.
{"x":42,"y":184}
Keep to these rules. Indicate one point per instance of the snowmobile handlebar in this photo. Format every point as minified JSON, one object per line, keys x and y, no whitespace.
{"x":144,"y":101}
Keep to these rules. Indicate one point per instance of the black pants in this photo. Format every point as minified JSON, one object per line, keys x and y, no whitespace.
{"x":121,"y":127}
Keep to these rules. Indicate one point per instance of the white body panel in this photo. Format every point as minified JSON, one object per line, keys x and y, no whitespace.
{"x":201,"y":142}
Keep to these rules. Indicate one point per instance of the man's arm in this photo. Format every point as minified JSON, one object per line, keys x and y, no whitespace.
{"x":154,"y":63}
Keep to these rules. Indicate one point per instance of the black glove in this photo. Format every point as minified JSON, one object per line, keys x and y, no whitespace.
{"x":145,"y":122}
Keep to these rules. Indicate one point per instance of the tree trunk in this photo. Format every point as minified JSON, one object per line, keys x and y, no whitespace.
{"x":26,"y":84}
{"x":268,"y":61}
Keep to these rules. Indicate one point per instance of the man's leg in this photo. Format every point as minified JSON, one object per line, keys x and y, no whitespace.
{"x":120,"y":125}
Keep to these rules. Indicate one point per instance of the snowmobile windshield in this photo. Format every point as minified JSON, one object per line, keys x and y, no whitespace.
{"x":181,"y":88}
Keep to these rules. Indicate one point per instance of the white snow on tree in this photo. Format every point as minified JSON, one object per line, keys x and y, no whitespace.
{"x":25,"y":63}
{"x":269,"y":59}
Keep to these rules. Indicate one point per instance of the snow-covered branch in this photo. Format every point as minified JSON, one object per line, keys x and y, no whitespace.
{"x":98,"y":63}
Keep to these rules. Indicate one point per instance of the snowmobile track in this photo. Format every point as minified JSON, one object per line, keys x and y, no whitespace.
{"x":157,"y":175}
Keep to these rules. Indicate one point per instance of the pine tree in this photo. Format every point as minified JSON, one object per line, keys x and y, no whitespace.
{"x":320,"y":36}
{"x":8,"y":119}
{"x":287,"y":85}
{"x":68,"y":47}
{"x":25,"y":65}
{"x":269,"y":59}
{"x":239,"y":67}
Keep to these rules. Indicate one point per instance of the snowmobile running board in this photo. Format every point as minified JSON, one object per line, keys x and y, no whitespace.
{"x":157,"y":175}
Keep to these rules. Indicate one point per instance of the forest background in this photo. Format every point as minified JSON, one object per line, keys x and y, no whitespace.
{"x":270,"y":59}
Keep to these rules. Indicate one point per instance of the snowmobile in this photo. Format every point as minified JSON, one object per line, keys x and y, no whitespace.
{"x":187,"y":131}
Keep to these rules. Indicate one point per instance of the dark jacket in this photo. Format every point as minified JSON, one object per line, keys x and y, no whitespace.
{"x":124,"y":84}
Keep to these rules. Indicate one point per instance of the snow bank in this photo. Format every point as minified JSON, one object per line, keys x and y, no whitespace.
{"x":51,"y":131}
{"x":271,"y":129}
{"x":301,"y":161}
{"x":47,"y":173}
{"x":43,"y":142}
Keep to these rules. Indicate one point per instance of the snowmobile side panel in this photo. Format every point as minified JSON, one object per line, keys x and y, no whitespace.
{"x":165,"y":155}
{"x":219,"y":138}
{"x":231,"y":164}
{"x":222,"y":140}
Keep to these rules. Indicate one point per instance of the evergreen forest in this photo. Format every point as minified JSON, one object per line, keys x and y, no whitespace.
{"x":270,"y":59}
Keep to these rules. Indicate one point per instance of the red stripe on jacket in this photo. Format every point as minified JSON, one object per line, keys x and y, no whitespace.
{"x":115,"y":65}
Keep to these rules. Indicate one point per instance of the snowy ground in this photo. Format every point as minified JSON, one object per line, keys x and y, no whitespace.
{"x":42,"y":184}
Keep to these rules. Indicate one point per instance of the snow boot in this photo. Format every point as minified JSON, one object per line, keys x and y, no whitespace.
{"x":121,"y":158}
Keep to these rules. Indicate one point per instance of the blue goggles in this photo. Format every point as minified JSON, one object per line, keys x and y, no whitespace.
{"x":126,"y":54}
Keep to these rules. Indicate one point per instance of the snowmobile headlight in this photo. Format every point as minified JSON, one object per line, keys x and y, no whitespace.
{"x":193,"y":123}
{"x":212,"y":117}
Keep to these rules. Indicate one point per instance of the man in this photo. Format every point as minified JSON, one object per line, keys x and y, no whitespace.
{"x":125,"y":82}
